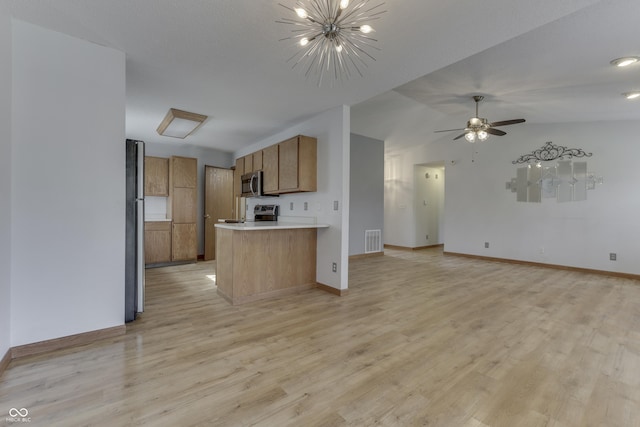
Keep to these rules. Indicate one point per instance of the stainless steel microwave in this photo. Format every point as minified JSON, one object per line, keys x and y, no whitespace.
{"x":252,"y":184}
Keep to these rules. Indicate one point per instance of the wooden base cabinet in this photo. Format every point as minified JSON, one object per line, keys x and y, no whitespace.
{"x":184,"y":242}
{"x":157,"y":242}
{"x":255,"y":265}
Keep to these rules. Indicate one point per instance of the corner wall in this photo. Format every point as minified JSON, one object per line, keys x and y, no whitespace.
{"x":366,"y":210}
{"x":5,"y":180}
{"x":68,"y":186}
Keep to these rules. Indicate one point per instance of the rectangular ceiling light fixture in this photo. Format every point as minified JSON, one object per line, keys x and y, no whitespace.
{"x":180,"y":124}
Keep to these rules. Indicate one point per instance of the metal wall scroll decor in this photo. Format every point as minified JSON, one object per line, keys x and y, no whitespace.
{"x":565,"y":181}
{"x":550,"y":151}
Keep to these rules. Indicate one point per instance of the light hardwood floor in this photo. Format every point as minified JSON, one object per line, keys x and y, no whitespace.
{"x":422,"y":339}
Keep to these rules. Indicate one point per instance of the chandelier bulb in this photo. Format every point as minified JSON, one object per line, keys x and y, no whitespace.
{"x":482,"y":135}
{"x":470,"y":136}
{"x":338,"y":48}
{"x":344,"y":4}
{"x":304,"y":41}
{"x":301,"y":13}
{"x":366,"y":29}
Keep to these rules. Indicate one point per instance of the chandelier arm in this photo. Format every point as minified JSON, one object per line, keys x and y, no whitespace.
{"x":362,"y":15}
{"x":355,"y":49}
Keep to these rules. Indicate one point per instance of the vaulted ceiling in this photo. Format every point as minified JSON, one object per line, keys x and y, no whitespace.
{"x":545,"y":61}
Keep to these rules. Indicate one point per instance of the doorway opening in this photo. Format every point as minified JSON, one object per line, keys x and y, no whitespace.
{"x":429,"y":179}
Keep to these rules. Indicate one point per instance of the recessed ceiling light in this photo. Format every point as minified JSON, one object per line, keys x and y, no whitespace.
{"x":631,"y":95}
{"x":625,"y":61}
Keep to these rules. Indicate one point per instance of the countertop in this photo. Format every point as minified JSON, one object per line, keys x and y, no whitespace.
{"x":267,"y":225}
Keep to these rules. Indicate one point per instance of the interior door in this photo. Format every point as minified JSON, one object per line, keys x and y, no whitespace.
{"x":218,"y":204}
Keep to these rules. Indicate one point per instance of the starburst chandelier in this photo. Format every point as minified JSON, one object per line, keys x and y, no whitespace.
{"x":332,"y":37}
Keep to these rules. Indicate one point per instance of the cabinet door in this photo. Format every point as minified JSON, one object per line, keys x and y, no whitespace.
{"x":157,"y":242}
{"x":248,"y":163}
{"x":270,"y":168}
{"x":237,"y":177}
{"x":307,"y":163}
{"x":156,"y":176}
{"x":184,"y":242}
{"x":184,"y":205}
{"x":288,"y":165}
{"x":257,"y":160}
{"x":184,"y":172}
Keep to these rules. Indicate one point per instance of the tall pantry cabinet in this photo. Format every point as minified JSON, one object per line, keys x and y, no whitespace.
{"x":183,"y":194}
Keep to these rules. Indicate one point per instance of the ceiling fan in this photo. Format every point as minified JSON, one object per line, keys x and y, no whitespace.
{"x":479,"y":128}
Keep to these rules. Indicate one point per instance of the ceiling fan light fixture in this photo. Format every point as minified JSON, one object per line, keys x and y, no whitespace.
{"x":470,"y":136}
{"x":631,"y":95}
{"x":625,"y":61}
{"x":482,"y":135}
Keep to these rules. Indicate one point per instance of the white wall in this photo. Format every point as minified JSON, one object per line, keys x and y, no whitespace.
{"x":5,"y":180}
{"x":331,"y":128}
{"x":206,"y":157}
{"x":366,"y":211}
{"x":68,"y":186}
{"x":479,"y":209}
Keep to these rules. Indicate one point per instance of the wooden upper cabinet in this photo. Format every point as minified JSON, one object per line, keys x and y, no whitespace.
{"x":257,"y":160}
{"x":297,"y":165}
{"x":270,"y":168}
{"x":248,"y":163}
{"x":288,"y":165}
{"x":156,"y":176}
{"x":183,"y":172}
{"x":237,"y":176}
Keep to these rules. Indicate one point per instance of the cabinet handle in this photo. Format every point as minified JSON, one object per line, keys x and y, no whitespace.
{"x":207,"y":216}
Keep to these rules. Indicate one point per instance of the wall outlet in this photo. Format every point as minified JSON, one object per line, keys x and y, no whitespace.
{"x":290,"y":206}
{"x":306,"y":206}
{"x":427,"y":237}
{"x":335,"y":205}
{"x":613,"y":256}
{"x":334,"y":267}
{"x":486,"y":245}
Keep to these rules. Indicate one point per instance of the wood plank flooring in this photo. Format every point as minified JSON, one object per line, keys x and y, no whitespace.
{"x":421,"y":339}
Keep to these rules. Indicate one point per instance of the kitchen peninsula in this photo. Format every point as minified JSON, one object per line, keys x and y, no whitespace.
{"x":259,"y":260}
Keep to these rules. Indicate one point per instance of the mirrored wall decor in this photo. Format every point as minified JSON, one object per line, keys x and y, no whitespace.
{"x":566,"y":181}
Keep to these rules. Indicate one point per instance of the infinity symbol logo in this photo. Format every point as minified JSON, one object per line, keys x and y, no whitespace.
{"x":22,"y":412}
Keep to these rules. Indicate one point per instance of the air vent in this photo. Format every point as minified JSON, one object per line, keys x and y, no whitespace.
{"x":372,"y":241}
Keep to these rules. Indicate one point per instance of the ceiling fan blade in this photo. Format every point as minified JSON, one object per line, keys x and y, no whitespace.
{"x":508,"y":122}
{"x":493,"y":131}
{"x":447,"y":130}
{"x":459,"y":136}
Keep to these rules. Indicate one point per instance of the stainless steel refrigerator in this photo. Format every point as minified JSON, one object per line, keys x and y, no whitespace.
{"x":134,"y":253}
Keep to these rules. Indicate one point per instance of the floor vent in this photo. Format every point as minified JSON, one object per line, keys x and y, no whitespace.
{"x":372,"y":241}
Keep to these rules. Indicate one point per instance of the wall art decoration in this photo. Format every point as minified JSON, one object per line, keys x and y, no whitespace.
{"x":566,"y":181}
{"x":550,"y":151}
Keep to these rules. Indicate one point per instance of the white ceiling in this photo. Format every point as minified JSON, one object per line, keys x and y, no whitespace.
{"x":545,"y":61}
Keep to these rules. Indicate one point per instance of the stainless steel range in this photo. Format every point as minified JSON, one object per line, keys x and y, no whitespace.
{"x":265,"y":213}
